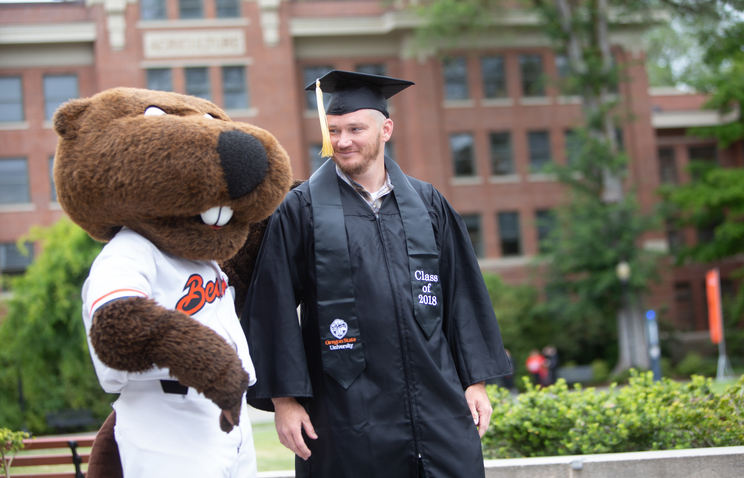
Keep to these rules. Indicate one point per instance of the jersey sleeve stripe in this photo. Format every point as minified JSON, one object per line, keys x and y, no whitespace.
{"x":115,"y":294}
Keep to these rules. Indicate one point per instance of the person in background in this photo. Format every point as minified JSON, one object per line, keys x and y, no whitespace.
{"x":383,"y":375}
{"x":534,"y":364}
{"x":551,"y":364}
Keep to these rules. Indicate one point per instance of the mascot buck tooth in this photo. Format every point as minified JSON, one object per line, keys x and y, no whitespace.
{"x":173,"y":186}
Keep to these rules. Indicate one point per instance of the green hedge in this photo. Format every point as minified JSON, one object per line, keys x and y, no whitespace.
{"x":644,"y":415}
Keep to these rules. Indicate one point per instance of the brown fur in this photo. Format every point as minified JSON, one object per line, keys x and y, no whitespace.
{"x":239,"y":268}
{"x":116,"y":167}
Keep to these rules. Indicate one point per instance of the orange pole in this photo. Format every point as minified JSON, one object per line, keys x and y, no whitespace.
{"x":713,"y":291}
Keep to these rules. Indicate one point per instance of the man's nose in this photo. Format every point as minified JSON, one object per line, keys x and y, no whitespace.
{"x":344,"y":140}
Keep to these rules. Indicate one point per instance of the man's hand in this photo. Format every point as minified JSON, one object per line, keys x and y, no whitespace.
{"x":480,"y":406}
{"x":290,"y":418}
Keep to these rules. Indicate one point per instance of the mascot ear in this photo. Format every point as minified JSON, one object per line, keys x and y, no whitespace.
{"x":66,"y":122}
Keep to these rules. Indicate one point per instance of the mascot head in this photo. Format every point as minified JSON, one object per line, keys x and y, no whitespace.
{"x":171,"y":167}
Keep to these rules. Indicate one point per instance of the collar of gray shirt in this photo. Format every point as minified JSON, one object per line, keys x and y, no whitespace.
{"x":373,"y":199}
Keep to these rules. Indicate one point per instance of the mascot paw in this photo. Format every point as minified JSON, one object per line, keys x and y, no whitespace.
{"x":230,"y":418}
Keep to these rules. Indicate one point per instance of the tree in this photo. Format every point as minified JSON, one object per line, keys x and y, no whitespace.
{"x":585,"y":294}
{"x":714,"y":200}
{"x":524,"y":325}
{"x":44,"y":360}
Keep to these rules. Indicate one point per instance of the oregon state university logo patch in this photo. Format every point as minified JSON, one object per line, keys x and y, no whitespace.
{"x":198,"y":294}
{"x":339,"y":327}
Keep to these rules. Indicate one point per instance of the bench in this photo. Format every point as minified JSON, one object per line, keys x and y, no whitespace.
{"x":71,"y":457}
{"x":71,"y":420}
{"x":576,"y":374}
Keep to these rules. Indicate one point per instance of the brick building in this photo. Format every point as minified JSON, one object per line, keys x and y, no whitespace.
{"x":478,"y":124}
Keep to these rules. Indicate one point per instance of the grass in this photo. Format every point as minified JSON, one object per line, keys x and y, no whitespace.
{"x":270,"y":454}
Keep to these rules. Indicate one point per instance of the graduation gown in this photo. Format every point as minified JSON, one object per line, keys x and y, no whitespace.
{"x":407,"y":409}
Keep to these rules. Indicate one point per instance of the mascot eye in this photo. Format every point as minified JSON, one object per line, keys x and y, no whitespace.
{"x":208,"y":116}
{"x":154,"y":111}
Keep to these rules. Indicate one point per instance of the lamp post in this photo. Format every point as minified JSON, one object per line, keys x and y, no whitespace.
{"x":623,"y":274}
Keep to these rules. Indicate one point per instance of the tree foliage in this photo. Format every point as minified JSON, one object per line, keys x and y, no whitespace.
{"x":44,"y":360}
{"x":714,"y":199}
{"x":523,"y":323}
{"x":10,"y":443}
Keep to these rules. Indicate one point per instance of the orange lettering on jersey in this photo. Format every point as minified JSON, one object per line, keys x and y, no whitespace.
{"x":197,"y":294}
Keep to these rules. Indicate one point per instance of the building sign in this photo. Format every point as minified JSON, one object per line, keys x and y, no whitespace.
{"x":194,"y":43}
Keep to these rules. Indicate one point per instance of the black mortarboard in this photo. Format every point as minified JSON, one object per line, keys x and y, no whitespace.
{"x":352,"y":91}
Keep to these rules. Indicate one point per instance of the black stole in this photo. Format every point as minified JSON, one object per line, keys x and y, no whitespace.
{"x":340,"y":339}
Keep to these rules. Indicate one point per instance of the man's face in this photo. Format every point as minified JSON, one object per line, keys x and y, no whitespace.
{"x":357,"y":139}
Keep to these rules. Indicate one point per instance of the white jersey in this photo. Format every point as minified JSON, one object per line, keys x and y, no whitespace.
{"x":131,"y":266}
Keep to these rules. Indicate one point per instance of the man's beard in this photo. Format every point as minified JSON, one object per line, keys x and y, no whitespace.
{"x":368,"y":157}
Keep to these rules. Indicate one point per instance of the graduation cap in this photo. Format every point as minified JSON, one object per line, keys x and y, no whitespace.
{"x":352,"y":91}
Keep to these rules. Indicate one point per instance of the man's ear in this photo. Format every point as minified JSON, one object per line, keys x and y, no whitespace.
{"x":387,"y":129}
{"x":67,"y":117}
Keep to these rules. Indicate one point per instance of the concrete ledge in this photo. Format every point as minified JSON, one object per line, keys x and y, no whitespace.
{"x":725,"y":462}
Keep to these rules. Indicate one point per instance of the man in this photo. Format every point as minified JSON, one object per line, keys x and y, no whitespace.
{"x":384,"y":374}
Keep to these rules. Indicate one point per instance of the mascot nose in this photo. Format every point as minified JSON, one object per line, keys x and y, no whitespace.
{"x":244,"y":162}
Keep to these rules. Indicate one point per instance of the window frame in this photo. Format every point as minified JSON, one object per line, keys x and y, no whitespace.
{"x":510,"y":244}
{"x":24,"y":186}
{"x":11,"y":101}
{"x":458,"y":161}
{"x":455,"y":76}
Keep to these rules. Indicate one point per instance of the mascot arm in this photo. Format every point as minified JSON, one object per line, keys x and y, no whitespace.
{"x":134,"y":333}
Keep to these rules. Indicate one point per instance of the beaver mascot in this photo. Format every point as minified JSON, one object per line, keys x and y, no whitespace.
{"x":173,"y":186}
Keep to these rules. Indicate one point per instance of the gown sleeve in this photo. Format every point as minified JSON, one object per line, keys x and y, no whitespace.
{"x":270,"y":320}
{"x":469,"y":322}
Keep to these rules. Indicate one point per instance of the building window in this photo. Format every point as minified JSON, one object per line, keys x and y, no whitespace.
{"x":310,"y":74}
{"x":53,"y":188}
{"x":153,"y":10}
{"x":316,"y":160}
{"x":562,"y":67}
{"x":502,"y":162}
{"x":494,"y":77}
{"x":684,"y":304}
{"x":473,"y":225}
{"x":573,"y":147}
{"x":160,"y":79}
{"x":234,"y":89}
{"x":667,"y":166}
{"x":707,"y":155}
{"x":675,"y":236}
{"x":228,"y":8}
{"x":706,"y":229}
{"x":539,"y":145}
{"x":372,"y":69}
{"x":509,"y":234}
{"x":531,"y":70}
{"x":58,"y":89}
{"x":463,"y":154}
{"x":11,"y":99}
{"x":545,"y":219}
{"x":14,"y":181}
{"x":703,"y":153}
{"x":13,"y":260}
{"x":456,"y":79}
{"x":197,"y":83}
{"x":620,"y":139}
{"x":566,"y":81}
{"x":190,"y":9}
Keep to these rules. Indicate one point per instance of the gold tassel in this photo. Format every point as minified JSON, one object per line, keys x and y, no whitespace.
{"x":327,"y":149}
